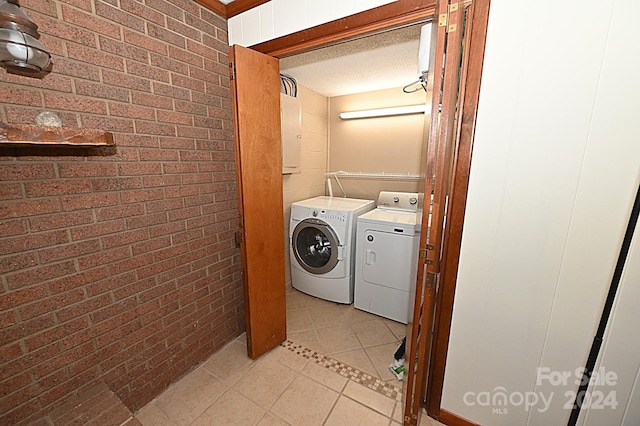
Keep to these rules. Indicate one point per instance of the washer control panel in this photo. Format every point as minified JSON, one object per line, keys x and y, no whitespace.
{"x":405,"y":201}
{"x":330,"y":215}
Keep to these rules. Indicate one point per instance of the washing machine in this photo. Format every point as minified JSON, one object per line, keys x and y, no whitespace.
{"x":387,"y":255}
{"x":322,"y":245}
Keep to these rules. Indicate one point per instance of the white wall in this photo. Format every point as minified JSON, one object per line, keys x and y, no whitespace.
{"x":277,"y":18}
{"x":619,"y":361}
{"x":555,"y":166}
{"x":310,"y":182}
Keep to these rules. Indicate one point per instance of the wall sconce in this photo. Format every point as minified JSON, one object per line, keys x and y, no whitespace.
{"x":20,"y":51}
{"x":384,"y":112}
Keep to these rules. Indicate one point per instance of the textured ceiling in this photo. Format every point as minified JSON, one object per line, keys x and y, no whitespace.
{"x":381,"y":61}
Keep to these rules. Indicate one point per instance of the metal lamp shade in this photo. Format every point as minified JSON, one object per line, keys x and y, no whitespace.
{"x":20,"y":50}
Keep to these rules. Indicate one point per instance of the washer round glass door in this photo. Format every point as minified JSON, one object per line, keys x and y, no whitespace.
{"x":315,"y":246}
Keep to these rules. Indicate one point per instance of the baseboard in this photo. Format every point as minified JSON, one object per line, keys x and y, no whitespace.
{"x":450,"y":419}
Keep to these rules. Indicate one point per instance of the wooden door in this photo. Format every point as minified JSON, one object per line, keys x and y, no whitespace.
{"x":255,"y":90}
{"x":444,"y":87}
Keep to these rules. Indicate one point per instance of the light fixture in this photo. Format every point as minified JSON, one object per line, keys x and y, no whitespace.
{"x":384,"y":112}
{"x":20,"y":51}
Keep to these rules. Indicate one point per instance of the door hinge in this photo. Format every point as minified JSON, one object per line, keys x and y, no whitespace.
{"x":232,"y":70}
{"x":423,"y":255}
{"x":238,"y":238}
{"x":444,"y":18}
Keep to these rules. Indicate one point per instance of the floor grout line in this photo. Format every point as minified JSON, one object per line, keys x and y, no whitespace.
{"x":345,"y":370}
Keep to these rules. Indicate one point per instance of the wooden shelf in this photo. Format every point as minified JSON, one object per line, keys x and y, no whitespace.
{"x":27,"y":134}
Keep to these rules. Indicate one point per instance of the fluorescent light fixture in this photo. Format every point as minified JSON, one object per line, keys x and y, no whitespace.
{"x":384,"y":112}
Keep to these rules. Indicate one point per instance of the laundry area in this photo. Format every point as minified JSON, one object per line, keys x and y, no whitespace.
{"x":352,"y":199}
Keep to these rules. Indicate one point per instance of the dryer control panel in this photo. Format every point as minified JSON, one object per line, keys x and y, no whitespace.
{"x":404,"y":201}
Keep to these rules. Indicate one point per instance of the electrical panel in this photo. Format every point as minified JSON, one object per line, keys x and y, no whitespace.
{"x":291,"y":122}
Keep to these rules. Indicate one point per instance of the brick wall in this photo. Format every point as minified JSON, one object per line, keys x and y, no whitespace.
{"x":118,"y":264}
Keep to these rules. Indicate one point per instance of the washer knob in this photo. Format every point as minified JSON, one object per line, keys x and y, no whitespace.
{"x":413,"y":200}
{"x":315,"y":213}
{"x":396,"y":199}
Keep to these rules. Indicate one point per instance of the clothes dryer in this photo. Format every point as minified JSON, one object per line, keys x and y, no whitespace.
{"x":322,"y":246}
{"x":386,"y":255}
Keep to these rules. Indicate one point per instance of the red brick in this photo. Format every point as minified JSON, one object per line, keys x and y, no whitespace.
{"x":10,"y":191}
{"x":39,"y":274}
{"x":156,"y":231}
{"x":85,"y":20}
{"x":213,"y":18}
{"x":163,"y":180}
{"x":201,"y":24}
{"x":65,"y":31}
{"x":171,"y":168}
{"x":106,"y":123}
{"x":102,"y":91}
{"x":185,"y":30}
{"x":59,"y":187}
{"x":144,"y":70}
{"x":25,"y":328}
{"x":125,"y":238}
{"x":113,"y":282}
{"x":19,"y":261}
{"x":158,"y":155}
{"x":187,"y":156}
{"x":141,"y":195}
{"x":23,"y":296}
{"x":132,"y":289}
{"x":7,"y":319}
{"x":115,"y":184}
{"x":171,"y":91}
{"x":146,"y":220}
{"x":116,"y":15}
{"x":140,"y":10}
{"x":119,"y":212}
{"x":219,"y":90}
{"x":74,"y":68}
{"x":187,"y":82}
{"x":145,"y":42}
{"x":21,"y":96}
{"x":94,"y":230}
{"x":88,"y":201}
{"x":164,"y":62}
{"x":57,"y":333}
{"x":192,"y":132}
{"x":175,"y":117}
{"x":95,"y":57}
{"x":151,"y":245}
{"x":125,"y":80}
{"x":197,"y":178}
{"x":26,"y":171}
{"x":75,"y":103}
{"x":155,"y":128}
{"x":69,"y":251}
{"x":103,"y":257}
{"x":32,"y":241}
{"x":113,"y":310}
{"x":84,"y":307}
{"x":13,"y":227}
{"x":217,"y":68}
{"x":60,"y":220}
{"x":166,"y":8}
{"x":177,"y":143}
{"x":51,"y":304}
{"x":207,"y":100}
{"x":155,"y":101}
{"x":164,"y":205}
{"x":130,"y":264}
{"x":131,"y":111}
{"x":181,"y":192}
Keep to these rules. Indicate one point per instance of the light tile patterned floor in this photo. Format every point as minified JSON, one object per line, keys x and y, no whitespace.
{"x":333,"y":370}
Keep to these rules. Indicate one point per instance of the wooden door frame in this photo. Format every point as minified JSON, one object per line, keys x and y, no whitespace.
{"x":384,"y":18}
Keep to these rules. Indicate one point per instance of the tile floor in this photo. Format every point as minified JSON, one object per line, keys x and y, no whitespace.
{"x":333,"y":370}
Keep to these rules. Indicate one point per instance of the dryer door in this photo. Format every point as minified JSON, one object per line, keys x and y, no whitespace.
{"x":315,"y":246}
